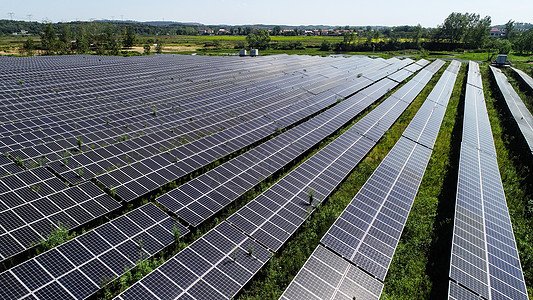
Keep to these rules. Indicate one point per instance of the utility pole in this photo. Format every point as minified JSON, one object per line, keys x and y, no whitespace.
{"x":11,"y":15}
{"x":29,"y":17}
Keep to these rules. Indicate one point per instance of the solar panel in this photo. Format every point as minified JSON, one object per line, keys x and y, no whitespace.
{"x":326,"y":275}
{"x":526,"y":78}
{"x":367,"y":232}
{"x":476,"y":125}
{"x":83,"y":264}
{"x":217,"y":265}
{"x":194,"y":206}
{"x":425,"y":126}
{"x":457,"y":292}
{"x":518,"y":109}
{"x":484,"y":257}
{"x":474,"y":75}
{"x":28,"y":222}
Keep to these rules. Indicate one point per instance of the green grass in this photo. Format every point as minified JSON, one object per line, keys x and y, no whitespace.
{"x":483,"y":57}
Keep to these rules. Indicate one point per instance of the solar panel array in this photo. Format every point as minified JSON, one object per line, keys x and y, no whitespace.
{"x":215,"y":266}
{"x":484,"y":257}
{"x":516,"y":106}
{"x":366,"y":234}
{"x":326,"y":275}
{"x":96,"y":105}
{"x":30,"y":138}
{"x":177,"y":162}
{"x":207,"y":194}
{"x":272,"y":217}
{"x":132,"y":125}
{"x":80,"y":267}
{"x":34,"y":202}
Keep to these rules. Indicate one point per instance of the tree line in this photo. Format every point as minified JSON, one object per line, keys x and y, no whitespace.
{"x":459,"y":31}
{"x":85,"y":37}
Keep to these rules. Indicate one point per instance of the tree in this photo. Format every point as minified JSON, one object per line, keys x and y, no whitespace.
{"x":129,"y":37}
{"x":28,"y":47}
{"x":326,"y":46}
{"x":509,"y":26}
{"x":259,"y":39}
{"x":49,"y":39}
{"x":524,"y":44}
{"x":276,"y":30}
{"x":114,"y":48}
{"x":467,"y":28}
{"x":64,"y":33}
{"x":417,"y":35}
{"x":477,"y":31}
{"x":64,"y":44}
{"x":454,"y":27}
{"x":159,"y":47}
{"x":82,"y":39}
{"x":147,"y":49}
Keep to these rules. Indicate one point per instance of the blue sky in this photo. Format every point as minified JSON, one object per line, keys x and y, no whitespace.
{"x":237,"y":12}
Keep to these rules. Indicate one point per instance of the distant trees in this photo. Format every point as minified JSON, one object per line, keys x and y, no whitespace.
{"x":326,"y":46}
{"x":524,"y":44}
{"x":509,"y":27}
{"x":259,"y":39}
{"x":417,"y":35}
{"x":48,"y":39}
{"x":477,"y":31}
{"x":129,"y":37}
{"x":64,"y":45}
{"x":458,"y":31}
{"x":454,"y":27}
{"x":82,"y":39}
{"x":28,"y":47}
{"x":276,"y":30}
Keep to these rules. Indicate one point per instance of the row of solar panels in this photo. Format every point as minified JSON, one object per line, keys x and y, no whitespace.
{"x":80,"y":282}
{"x":484,"y":258}
{"x":358,"y":248}
{"x":518,"y":109}
{"x":81,"y":77}
{"x":271,"y":218}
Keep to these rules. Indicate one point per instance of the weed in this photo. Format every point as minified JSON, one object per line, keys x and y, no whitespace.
{"x":250,"y":249}
{"x":311,"y":195}
{"x":35,"y":188}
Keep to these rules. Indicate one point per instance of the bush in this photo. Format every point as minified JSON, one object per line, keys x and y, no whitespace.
{"x":146,"y":49}
{"x":326,"y":46}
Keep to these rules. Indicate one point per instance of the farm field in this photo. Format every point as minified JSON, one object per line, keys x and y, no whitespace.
{"x":271,"y":177}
